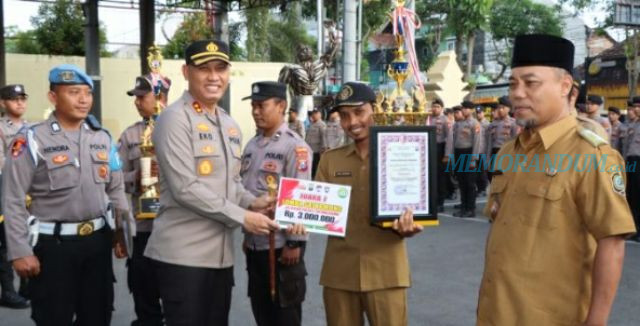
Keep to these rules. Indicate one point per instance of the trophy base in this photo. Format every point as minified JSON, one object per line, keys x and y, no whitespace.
{"x":148,"y":208}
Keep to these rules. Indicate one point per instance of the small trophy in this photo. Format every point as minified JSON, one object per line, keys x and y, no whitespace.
{"x":149,"y":201}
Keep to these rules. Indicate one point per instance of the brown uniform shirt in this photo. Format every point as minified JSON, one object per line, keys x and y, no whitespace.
{"x":202,"y":200}
{"x":130,"y":154}
{"x":540,"y":250}
{"x":367,"y":258}
{"x":69,"y":176}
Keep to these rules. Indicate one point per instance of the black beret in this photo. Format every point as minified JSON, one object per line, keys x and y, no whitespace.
{"x":543,"y":50}
{"x":635,"y":100}
{"x":457,"y":108}
{"x":493,"y":105}
{"x":353,"y":94}
{"x":504,"y":100}
{"x":629,"y":103}
{"x":265,"y":90}
{"x":203,"y":51}
{"x":448,"y":111}
{"x":614,"y":109}
{"x":437,"y":101}
{"x":12,"y":91}
{"x":467,"y":104}
{"x":595,"y":99}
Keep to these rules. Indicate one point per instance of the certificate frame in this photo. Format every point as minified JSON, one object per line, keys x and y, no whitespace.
{"x":384,"y":140}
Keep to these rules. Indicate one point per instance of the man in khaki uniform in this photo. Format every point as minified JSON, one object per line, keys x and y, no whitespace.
{"x":13,"y":99}
{"x":295,"y":124}
{"x":70,"y":167}
{"x":334,"y":135}
{"x":556,"y":246}
{"x":202,"y":198}
{"x":316,"y":138}
{"x":617,"y":128}
{"x":443,"y":141}
{"x":468,"y":144}
{"x":594,"y":102}
{"x":274,"y":152}
{"x":140,"y":276}
{"x":367,"y":271}
{"x":631,"y":153}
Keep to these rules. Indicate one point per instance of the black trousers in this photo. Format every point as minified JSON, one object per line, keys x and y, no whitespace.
{"x":194,"y":296}
{"x":314,"y":168}
{"x":6,"y":270}
{"x":466,"y":180}
{"x":75,"y":284}
{"x":633,"y":190}
{"x":443,"y":175}
{"x":143,"y":285}
{"x":494,"y":151}
{"x":286,"y":310}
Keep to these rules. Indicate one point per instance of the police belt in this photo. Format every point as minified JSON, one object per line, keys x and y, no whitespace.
{"x":81,"y":228}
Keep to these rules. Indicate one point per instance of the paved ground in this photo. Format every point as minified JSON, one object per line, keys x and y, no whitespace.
{"x":446,"y":264}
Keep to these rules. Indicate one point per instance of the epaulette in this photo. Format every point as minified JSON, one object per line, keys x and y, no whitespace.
{"x":591,"y":137}
{"x":93,"y":123}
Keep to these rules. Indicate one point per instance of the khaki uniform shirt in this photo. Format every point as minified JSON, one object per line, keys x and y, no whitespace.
{"x":632,"y":139}
{"x":284,"y":154}
{"x":540,"y":250}
{"x":202,"y":199}
{"x":315,"y":136}
{"x":468,"y":134}
{"x":71,"y":177}
{"x":8,"y":130}
{"x":500,"y":131}
{"x":368,"y":258}
{"x":298,"y":127}
{"x":334,"y":135}
{"x":618,"y":131}
{"x":130,"y":154}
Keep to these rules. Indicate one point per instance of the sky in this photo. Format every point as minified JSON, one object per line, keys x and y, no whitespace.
{"x":122,"y":24}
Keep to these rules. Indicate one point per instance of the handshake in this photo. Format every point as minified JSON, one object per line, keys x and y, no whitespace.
{"x":256,"y":219}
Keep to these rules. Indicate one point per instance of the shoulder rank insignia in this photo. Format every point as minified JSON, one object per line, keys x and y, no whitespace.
{"x":591,"y":137}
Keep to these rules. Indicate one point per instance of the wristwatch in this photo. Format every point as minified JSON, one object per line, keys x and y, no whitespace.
{"x":294,"y":244}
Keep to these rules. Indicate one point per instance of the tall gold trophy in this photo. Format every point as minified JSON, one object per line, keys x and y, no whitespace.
{"x":149,"y":201}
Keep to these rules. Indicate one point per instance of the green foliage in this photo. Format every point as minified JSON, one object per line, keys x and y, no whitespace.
{"x":21,"y":41}
{"x":59,"y":29}
{"x":510,"y":18}
{"x":257,"y":44}
{"x":194,"y":27}
{"x":464,"y":17}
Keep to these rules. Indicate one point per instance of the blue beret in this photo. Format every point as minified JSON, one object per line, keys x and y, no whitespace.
{"x":67,"y":74}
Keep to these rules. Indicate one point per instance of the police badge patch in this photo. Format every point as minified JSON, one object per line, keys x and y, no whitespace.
{"x":618,"y":183}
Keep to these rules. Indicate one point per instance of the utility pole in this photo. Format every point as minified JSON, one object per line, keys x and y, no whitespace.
{"x":349,"y":40}
{"x":3,"y":60}
{"x":92,"y":54}
{"x":147,"y":32}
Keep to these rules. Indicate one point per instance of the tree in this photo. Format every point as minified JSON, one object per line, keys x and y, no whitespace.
{"x":193,"y":27}
{"x":433,"y":16}
{"x":59,"y":29}
{"x":287,"y":33}
{"x":465,"y":18}
{"x":21,"y":41}
{"x":257,"y":24}
{"x":510,"y":18}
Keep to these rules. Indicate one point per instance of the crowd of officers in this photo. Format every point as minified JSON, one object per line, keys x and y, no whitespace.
{"x":65,"y":208}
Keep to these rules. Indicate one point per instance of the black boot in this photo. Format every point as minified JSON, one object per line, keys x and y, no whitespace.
{"x":13,"y":300}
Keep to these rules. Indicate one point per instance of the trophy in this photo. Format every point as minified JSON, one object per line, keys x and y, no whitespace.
{"x":149,"y":201}
{"x":403,"y":146}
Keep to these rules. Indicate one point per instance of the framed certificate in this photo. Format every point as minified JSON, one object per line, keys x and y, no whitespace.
{"x":403,"y":173}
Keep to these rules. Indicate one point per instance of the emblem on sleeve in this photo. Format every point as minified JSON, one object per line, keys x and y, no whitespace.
{"x":205,"y":168}
{"x":618,"y":183}
{"x":18,"y":147}
{"x":103,"y":171}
